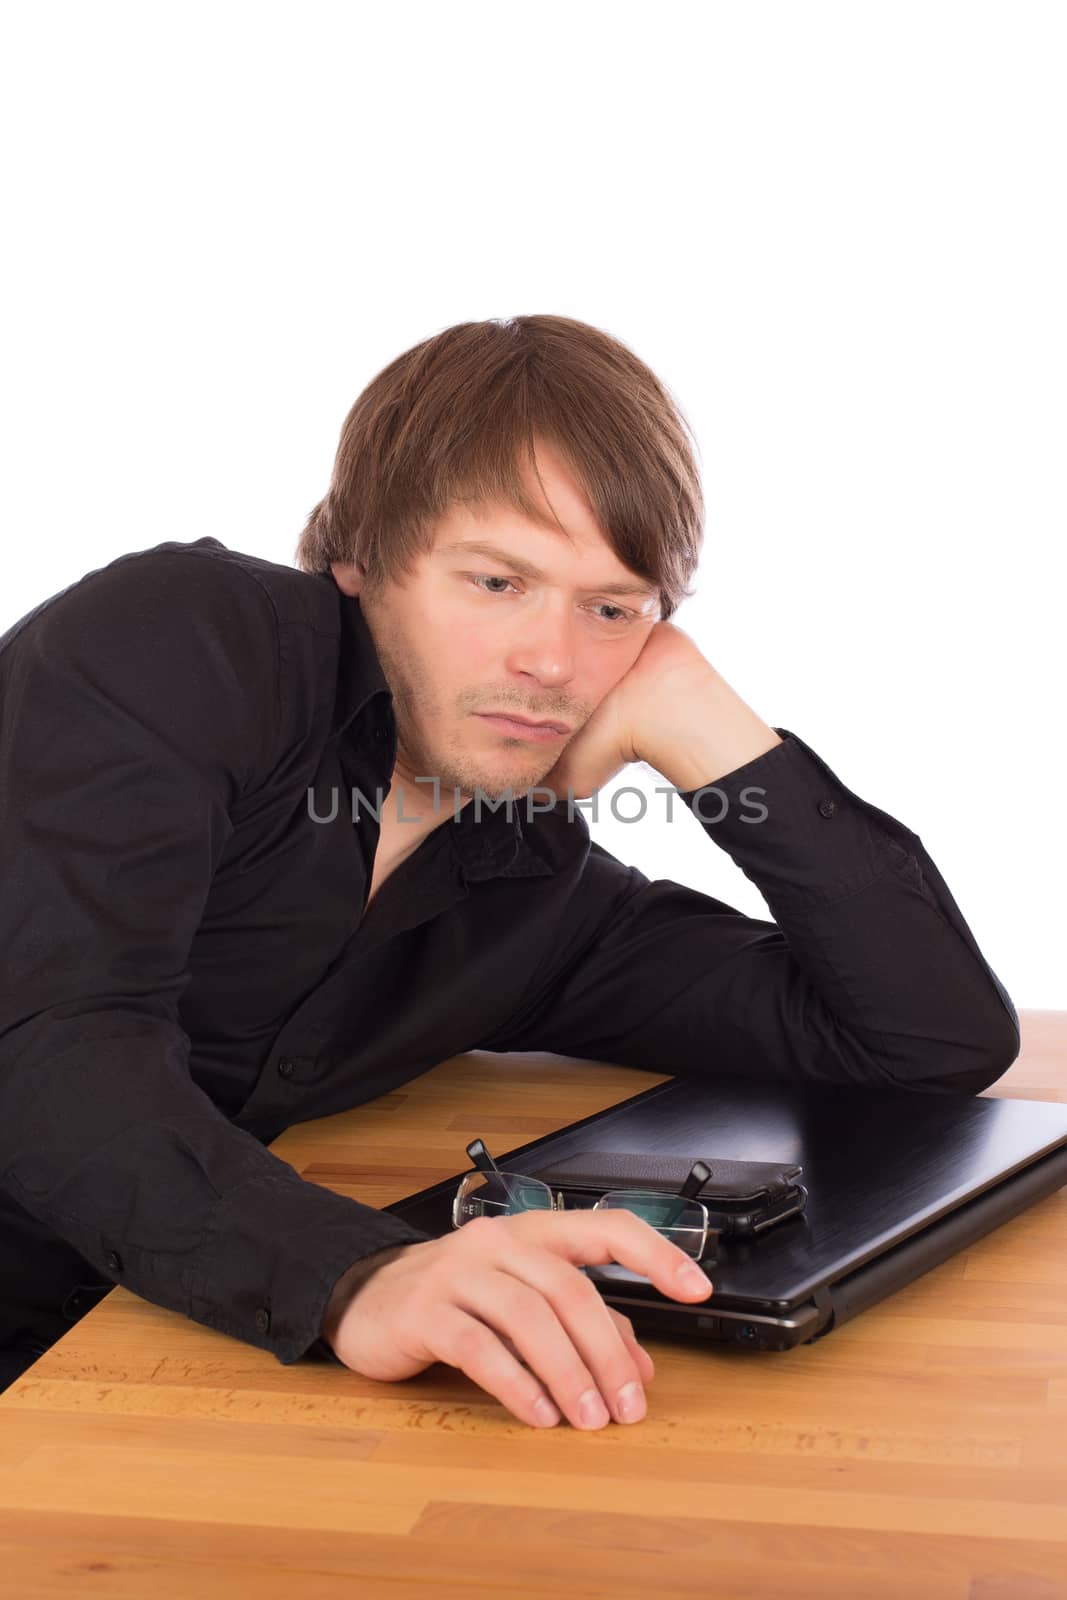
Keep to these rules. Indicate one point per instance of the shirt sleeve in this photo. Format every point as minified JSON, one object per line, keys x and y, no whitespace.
{"x":868,"y":975}
{"x":140,"y":709}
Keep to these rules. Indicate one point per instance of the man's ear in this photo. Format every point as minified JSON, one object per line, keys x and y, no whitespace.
{"x":349,"y":576}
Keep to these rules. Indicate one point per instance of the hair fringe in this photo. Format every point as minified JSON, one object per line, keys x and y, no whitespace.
{"x":455,"y":419}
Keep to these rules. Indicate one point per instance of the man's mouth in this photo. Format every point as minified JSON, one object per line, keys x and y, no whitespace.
{"x":523,"y":727}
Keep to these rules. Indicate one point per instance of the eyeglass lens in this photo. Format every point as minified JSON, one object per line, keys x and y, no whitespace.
{"x":493,"y":1194}
{"x":489,"y":1194}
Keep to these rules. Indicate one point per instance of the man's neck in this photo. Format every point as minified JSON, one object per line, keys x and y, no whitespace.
{"x":409,"y":813}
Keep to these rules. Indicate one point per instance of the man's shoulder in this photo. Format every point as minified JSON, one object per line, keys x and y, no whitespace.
{"x":205,"y":563}
{"x":201,"y":580}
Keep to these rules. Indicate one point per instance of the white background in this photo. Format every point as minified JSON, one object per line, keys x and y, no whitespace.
{"x":836,"y":231}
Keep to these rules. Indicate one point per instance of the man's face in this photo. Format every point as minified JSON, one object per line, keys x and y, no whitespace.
{"x":470,"y":633}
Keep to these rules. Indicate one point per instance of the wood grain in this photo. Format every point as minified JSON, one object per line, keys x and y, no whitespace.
{"x":920,"y":1451}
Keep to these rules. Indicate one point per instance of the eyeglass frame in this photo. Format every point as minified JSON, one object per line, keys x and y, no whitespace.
{"x":486,"y":1167}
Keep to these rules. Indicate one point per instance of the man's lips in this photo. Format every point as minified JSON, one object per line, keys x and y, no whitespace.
{"x":545,"y":730}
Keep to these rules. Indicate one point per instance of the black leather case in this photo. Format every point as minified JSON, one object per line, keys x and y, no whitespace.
{"x":742,"y":1197}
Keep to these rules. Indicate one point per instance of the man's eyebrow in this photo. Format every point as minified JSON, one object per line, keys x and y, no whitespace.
{"x":526,"y":569}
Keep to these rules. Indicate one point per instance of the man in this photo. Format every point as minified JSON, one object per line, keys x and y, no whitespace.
{"x":251,"y":879}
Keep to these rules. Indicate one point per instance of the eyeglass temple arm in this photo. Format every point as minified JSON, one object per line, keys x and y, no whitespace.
{"x":481,"y":1157}
{"x":698,"y":1177}
{"x":699,"y":1173}
{"x":485,"y":1163}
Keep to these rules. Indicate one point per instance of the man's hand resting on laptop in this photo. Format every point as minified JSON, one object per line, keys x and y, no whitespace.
{"x":505,"y":1290}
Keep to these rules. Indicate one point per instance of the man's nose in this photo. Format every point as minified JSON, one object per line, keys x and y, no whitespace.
{"x":545,"y":644}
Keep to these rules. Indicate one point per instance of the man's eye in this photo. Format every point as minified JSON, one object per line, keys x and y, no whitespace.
{"x":488,"y":577}
{"x":620,"y":614}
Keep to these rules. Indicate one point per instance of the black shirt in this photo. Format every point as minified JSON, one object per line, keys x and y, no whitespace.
{"x":187,"y":967}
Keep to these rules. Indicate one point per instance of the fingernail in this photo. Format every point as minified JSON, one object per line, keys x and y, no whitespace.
{"x":691,"y":1277}
{"x":592,"y":1410}
{"x":546,"y":1413}
{"x":631,"y":1400}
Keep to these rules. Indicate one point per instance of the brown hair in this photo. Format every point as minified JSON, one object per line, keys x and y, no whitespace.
{"x":451,"y":418}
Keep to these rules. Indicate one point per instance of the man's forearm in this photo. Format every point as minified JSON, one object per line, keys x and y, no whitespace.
{"x":709,"y":733}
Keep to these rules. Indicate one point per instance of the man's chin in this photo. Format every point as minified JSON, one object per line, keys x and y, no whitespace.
{"x":499,"y":787}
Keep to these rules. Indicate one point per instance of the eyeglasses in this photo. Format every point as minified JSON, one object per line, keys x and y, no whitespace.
{"x":488,"y":1192}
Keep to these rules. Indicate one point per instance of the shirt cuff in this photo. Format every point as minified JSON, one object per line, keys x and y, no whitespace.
{"x":795,"y":830}
{"x":274,"y":1250}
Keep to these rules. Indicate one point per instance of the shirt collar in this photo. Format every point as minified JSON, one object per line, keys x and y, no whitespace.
{"x":494,"y":844}
{"x":359,"y":672}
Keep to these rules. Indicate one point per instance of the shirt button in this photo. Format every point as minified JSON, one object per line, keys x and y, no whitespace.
{"x":114,"y":1261}
{"x":262,"y":1321}
{"x":827,"y":808}
{"x":285,"y":1067}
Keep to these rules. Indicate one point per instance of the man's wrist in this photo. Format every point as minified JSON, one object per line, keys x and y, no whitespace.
{"x":708,"y":736}
{"x":350,"y":1283}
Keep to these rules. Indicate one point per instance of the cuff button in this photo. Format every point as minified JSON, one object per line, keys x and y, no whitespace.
{"x":827,"y":808}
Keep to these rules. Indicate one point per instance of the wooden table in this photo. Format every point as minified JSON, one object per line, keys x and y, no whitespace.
{"x":920,"y":1450}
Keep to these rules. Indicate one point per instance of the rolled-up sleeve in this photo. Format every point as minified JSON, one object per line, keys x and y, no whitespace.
{"x":868,"y":974}
{"x":139,"y":707}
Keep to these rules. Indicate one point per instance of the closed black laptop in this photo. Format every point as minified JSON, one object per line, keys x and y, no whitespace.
{"x":896,"y":1183}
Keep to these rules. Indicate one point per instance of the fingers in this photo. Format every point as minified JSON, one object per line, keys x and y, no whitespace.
{"x":462,"y":1341}
{"x":558,"y":1324}
{"x":597,"y":1238}
{"x":646,"y":1365}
